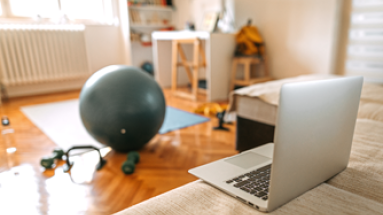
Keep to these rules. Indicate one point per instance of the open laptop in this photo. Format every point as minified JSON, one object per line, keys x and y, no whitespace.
{"x":312,"y":143}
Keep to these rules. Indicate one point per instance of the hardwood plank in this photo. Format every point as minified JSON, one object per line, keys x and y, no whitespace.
{"x":163,"y":166}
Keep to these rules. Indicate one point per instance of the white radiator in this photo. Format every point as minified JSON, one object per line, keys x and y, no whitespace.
{"x":40,"y":53}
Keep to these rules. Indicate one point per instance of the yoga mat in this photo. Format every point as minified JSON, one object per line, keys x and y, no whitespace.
{"x":61,"y":122}
{"x":177,"y":119}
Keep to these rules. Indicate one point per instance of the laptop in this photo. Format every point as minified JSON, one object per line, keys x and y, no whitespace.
{"x":312,"y":143}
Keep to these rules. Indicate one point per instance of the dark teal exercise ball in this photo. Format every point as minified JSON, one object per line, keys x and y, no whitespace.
{"x":122,"y":107}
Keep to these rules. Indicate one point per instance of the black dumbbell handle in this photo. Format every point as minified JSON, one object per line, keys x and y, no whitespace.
{"x":134,"y":160}
{"x":54,"y":156}
{"x":134,"y":157}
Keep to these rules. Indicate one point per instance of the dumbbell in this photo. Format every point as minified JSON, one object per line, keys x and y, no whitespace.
{"x":48,"y":161}
{"x":129,"y":165}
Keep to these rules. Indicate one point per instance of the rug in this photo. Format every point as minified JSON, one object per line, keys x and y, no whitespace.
{"x":61,"y":122}
{"x":177,"y":119}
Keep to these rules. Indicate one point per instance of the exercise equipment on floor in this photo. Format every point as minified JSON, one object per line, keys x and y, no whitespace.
{"x":221,"y":121}
{"x":148,"y":67}
{"x":48,"y":162}
{"x":129,"y":165}
{"x":210,"y":109}
{"x":214,"y":109}
{"x":68,"y":165}
{"x":122,"y":107}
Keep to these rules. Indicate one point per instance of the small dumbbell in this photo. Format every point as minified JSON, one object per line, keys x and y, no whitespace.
{"x":129,"y":165}
{"x":49,"y":161}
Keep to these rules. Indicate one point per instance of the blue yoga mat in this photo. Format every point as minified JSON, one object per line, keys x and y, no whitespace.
{"x":177,"y":119}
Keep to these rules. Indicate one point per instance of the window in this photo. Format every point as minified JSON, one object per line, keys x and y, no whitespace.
{"x":97,"y":10}
{"x":28,"y":8}
{"x":82,"y":9}
{"x":364,"y":54}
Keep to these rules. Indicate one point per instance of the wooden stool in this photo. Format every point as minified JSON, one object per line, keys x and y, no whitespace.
{"x":195,"y":65}
{"x":248,"y":80}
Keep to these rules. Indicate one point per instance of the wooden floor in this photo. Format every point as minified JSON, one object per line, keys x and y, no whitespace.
{"x":29,"y":189}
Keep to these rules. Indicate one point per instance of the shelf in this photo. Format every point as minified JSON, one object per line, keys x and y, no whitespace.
{"x":152,"y":8}
{"x":149,"y":26}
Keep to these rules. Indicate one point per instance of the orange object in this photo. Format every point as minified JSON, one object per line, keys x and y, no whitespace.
{"x":210,"y":109}
{"x":249,"y":41}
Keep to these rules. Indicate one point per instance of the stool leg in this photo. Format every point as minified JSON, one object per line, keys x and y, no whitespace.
{"x":184,"y":63}
{"x":195,"y":70}
{"x":202,"y":53}
{"x":233,"y":74}
{"x":247,"y":71}
{"x":174,"y":65}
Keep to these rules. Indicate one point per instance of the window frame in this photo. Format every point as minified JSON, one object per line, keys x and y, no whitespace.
{"x":4,"y":8}
{"x":7,"y":15}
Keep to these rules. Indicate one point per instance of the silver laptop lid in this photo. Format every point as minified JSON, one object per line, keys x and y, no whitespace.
{"x":313,"y":136}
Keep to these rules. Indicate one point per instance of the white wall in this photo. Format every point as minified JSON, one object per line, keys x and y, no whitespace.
{"x":103,"y":46}
{"x":300,"y":35}
{"x":141,"y":54}
{"x":104,"y":43}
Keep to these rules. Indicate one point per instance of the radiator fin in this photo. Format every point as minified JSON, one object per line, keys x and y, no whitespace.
{"x":40,"y":53}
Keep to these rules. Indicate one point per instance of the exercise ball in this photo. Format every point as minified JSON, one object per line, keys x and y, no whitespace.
{"x":122,"y":107}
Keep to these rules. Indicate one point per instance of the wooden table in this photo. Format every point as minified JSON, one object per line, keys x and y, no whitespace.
{"x":219,"y":49}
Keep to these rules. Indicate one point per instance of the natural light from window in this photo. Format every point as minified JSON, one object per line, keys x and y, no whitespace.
{"x":32,"y":8}
{"x":96,"y":10}
{"x":1,"y":11}
{"x":83,"y":9}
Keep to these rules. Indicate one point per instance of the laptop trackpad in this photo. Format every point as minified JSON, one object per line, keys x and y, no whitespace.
{"x":247,"y":160}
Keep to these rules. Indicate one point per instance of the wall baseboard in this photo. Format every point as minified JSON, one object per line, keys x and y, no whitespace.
{"x":45,"y":88}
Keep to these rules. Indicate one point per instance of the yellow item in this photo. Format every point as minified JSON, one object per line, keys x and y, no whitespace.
{"x":249,"y":41}
{"x":210,"y":109}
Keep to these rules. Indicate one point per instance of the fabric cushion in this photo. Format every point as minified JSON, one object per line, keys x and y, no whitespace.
{"x":201,"y":198}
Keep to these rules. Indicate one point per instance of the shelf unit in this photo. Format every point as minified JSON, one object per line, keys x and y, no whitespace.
{"x":152,"y":8}
{"x":150,"y":26}
{"x":143,"y":20}
{"x":149,"y":15}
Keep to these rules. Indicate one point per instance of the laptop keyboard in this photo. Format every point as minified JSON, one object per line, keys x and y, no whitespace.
{"x":255,"y":182}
